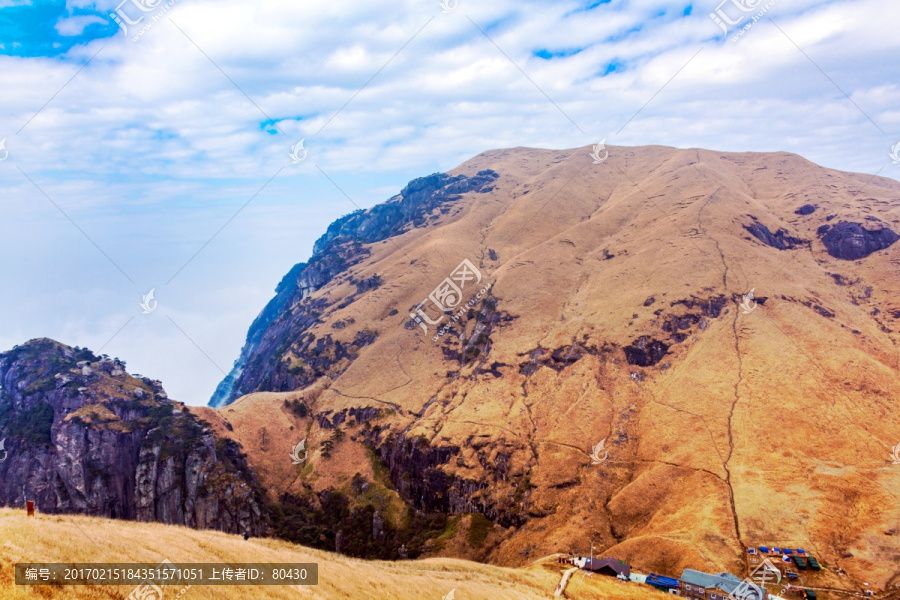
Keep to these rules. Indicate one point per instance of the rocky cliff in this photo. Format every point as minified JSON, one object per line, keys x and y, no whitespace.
{"x":290,"y":313}
{"x":84,"y":436}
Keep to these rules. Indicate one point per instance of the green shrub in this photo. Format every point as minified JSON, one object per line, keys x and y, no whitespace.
{"x":303,"y":520}
{"x":297,"y":369}
{"x":297,"y":407}
{"x":479,"y":528}
{"x":326,"y":448}
{"x":33,"y":425}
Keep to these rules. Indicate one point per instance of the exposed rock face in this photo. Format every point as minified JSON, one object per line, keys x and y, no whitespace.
{"x":557,"y":359}
{"x":416,"y":467}
{"x":85,"y":437}
{"x":646,"y":352}
{"x":287,"y":315}
{"x":780,"y":239}
{"x":851,"y":241}
{"x":411,"y":207}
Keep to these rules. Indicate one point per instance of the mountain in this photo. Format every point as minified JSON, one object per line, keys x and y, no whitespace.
{"x":340,"y":577}
{"x":81,"y":435}
{"x":675,"y":354}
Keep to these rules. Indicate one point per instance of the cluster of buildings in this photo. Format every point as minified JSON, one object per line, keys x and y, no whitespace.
{"x":794,"y":557}
{"x":697,"y":585}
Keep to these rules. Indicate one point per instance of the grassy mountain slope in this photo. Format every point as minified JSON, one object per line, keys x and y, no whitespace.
{"x":614,"y":315}
{"x":102,"y":540}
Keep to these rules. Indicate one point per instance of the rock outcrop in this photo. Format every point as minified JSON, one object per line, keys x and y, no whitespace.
{"x":780,"y":239}
{"x":83,"y":436}
{"x":851,"y":241}
{"x":645,"y":352}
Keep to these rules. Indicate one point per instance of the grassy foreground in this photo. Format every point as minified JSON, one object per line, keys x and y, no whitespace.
{"x":68,"y":538}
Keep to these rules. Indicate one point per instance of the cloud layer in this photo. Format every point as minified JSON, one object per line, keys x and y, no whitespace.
{"x":143,"y":150}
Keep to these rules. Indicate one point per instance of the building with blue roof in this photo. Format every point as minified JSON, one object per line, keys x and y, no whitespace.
{"x":663,"y":583}
{"x":697,"y":585}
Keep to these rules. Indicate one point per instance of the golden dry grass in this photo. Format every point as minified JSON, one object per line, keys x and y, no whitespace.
{"x":50,"y":538}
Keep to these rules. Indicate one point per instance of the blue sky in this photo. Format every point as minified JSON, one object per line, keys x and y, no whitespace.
{"x":31,"y":29}
{"x":135,"y":155}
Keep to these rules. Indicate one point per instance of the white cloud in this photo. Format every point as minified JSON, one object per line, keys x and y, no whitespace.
{"x":70,"y":26}
{"x":152,"y":148}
